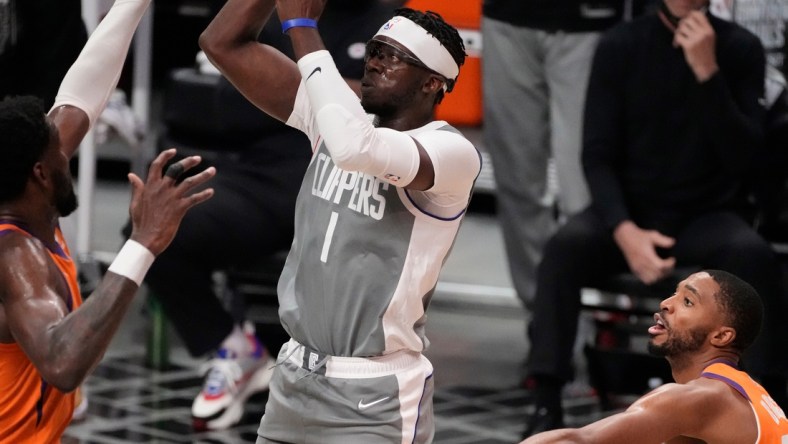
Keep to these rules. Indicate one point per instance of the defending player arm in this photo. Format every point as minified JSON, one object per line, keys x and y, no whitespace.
{"x":354,"y":143}
{"x":668,"y":412}
{"x":94,"y":75}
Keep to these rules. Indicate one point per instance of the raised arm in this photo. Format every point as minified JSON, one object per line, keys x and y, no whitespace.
{"x":66,"y":345}
{"x":265,"y":76}
{"x":604,"y":130}
{"x":89,"y":82}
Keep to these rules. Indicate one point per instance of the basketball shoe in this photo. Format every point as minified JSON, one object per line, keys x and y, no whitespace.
{"x":231,"y":378}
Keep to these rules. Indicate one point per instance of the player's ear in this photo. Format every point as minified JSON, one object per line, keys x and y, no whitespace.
{"x":723,"y":337}
{"x":432,"y":84}
{"x":39,"y":172}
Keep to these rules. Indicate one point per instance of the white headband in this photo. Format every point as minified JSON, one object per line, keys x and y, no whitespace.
{"x":422,"y":44}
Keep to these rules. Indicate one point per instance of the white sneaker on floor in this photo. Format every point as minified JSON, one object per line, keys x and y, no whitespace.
{"x":229,"y":382}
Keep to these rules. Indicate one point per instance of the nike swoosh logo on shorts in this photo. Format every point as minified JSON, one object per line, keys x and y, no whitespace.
{"x":318,"y":69}
{"x":362,"y":406}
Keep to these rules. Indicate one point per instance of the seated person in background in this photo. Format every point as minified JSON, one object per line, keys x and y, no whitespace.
{"x":251,"y":217}
{"x":50,"y":340}
{"x":702,"y":330}
{"x":673,"y":118}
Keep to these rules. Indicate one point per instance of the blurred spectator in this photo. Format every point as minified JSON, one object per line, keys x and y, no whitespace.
{"x":535,"y":61}
{"x":673,"y":120}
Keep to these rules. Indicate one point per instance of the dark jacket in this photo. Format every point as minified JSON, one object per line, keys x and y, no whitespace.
{"x":658,"y":146}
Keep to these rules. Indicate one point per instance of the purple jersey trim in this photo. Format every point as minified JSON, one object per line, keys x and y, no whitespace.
{"x":728,"y":381}
{"x":447,"y":219}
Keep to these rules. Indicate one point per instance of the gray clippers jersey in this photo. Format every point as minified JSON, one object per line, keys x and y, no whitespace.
{"x":366,"y":254}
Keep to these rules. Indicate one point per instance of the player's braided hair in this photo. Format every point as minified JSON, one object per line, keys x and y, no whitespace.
{"x":24,"y":135}
{"x":446,"y":34}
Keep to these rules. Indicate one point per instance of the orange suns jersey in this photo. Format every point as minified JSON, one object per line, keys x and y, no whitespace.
{"x":772,"y":424}
{"x":32,"y":411}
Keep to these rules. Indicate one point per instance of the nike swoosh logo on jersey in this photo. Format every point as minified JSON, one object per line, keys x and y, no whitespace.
{"x":318,"y":69}
{"x":362,"y":406}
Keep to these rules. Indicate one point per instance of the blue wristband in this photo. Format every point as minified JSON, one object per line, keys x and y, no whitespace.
{"x":298,"y":22}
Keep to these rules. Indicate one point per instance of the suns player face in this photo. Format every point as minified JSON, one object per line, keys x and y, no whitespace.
{"x":687,"y":318}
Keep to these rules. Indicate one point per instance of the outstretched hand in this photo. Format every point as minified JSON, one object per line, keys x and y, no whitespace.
{"x":158,"y":205}
{"x":290,"y":9}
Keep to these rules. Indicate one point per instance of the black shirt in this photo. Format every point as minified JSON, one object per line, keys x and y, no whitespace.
{"x":261,"y":139}
{"x":657,"y":145}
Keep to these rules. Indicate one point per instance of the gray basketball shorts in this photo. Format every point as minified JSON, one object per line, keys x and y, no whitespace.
{"x":314,"y":398}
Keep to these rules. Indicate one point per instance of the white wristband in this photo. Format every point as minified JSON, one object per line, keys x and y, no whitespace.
{"x":132,"y":261}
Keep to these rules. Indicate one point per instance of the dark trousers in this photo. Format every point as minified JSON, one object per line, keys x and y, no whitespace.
{"x":584,"y":249}
{"x":249,"y":216}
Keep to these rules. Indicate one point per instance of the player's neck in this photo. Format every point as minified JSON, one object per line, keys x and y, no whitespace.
{"x":41,"y":222}
{"x":406,"y":118}
{"x":685,"y":368}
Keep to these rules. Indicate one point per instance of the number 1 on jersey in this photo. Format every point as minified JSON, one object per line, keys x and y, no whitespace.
{"x":332,"y":224}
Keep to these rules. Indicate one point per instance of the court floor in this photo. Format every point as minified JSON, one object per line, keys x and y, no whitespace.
{"x":129,"y":403}
{"x":476,"y":327}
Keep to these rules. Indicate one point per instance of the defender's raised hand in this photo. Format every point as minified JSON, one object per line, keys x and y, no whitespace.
{"x":158,"y":206}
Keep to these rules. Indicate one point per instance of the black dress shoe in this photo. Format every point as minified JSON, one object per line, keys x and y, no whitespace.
{"x":544,"y":419}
